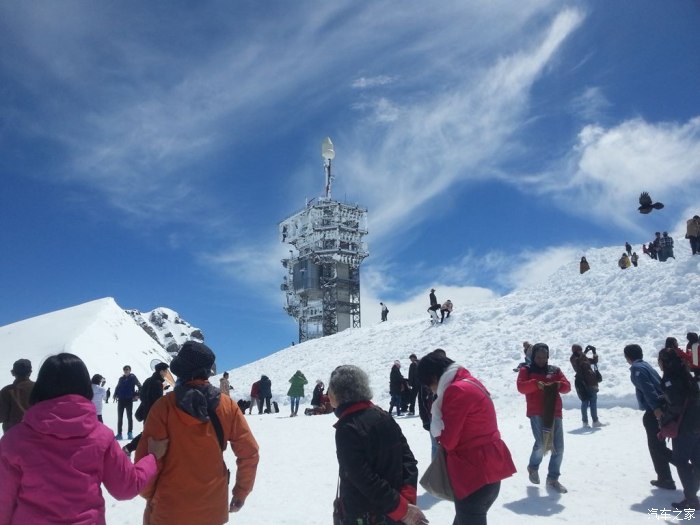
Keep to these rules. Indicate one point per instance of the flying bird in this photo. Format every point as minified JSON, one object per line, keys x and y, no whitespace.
{"x":645,"y":204}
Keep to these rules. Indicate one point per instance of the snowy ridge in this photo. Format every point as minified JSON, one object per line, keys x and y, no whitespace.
{"x":606,"y":307}
{"x":99,"y":332}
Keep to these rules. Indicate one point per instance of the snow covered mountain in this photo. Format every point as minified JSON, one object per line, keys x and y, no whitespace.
{"x":99,"y":332}
{"x":167,"y":327}
{"x":607,"y":470}
{"x":606,"y":307}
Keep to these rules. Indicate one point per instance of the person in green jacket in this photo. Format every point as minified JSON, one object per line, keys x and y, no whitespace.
{"x":296,"y":391}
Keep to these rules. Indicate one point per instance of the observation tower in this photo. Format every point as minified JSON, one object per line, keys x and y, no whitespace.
{"x":322,"y":285}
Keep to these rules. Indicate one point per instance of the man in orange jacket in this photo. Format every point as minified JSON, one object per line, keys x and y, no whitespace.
{"x":192,"y":482}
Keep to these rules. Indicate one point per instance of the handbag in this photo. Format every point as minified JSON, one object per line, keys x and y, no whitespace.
{"x":338,"y":511}
{"x":669,"y":429}
{"x":436,"y":480}
{"x":598,"y":376}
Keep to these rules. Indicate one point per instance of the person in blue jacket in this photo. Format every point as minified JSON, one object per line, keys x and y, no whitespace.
{"x":126,"y":390}
{"x":647,"y":384}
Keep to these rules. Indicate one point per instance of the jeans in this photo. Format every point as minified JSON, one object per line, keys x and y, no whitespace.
{"x":433,"y":446}
{"x":592,"y":401}
{"x":557,"y":455}
{"x":294,"y":403}
{"x":395,"y":402}
{"x":472,"y":509}
{"x":123,"y":404}
{"x":659,"y":452}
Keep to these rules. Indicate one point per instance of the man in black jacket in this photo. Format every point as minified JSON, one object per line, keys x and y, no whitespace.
{"x":151,"y":391}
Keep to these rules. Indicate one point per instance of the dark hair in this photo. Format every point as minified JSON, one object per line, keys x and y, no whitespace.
{"x":412,"y":356}
{"x":539,"y":347}
{"x":674,"y":367}
{"x":161,"y":366}
{"x":61,"y":375}
{"x":575,"y":348}
{"x":671,"y":342}
{"x":225,"y":374}
{"x":431,"y":367}
{"x":96,"y":379}
{"x":634,"y":352}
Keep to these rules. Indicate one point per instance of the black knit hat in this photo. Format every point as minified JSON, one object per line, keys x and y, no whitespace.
{"x":22,"y":368}
{"x":193,"y":360}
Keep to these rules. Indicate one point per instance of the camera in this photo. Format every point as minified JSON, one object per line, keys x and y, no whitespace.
{"x":590,"y":348}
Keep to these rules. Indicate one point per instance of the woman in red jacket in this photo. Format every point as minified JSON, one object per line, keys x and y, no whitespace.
{"x":464,"y":422}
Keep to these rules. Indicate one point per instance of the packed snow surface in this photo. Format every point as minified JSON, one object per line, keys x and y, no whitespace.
{"x":606,"y":470}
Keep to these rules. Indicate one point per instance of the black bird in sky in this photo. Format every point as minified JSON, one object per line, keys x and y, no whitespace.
{"x":645,"y":204}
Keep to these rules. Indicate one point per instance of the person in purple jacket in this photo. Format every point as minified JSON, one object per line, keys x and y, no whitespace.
{"x":53,"y":463}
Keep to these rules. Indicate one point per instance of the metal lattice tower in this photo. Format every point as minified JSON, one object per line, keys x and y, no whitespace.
{"x":322,"y":285}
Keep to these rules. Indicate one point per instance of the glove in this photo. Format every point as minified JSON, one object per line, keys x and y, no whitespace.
{"x":590,"y":348}
{"x":236,"y":505}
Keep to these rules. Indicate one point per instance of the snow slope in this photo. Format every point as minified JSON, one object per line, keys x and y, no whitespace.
{"x":99,"y":332}
{"x":607,"y":471}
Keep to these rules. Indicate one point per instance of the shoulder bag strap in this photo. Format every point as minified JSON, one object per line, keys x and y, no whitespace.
{"x":217,"y":428}
{"x":479,"y":387}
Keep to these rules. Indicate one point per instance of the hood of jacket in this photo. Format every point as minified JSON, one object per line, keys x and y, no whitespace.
{"x":63,"y":417}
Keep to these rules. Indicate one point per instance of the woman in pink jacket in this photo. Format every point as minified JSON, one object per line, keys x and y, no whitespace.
{"x":464,"y":422}
{"x":53,"y":463}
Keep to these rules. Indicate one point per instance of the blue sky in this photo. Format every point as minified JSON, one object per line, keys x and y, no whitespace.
{"x":149,"y":150}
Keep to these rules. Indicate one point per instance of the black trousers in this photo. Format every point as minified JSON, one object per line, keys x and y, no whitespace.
{"x":659,"y":452}
{"x":472,"y":509}
{"x":128,"y":405}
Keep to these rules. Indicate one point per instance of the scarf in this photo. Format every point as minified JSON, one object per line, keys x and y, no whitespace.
{"x":437,"y":425}
{"x":197,"y":400}
{"x":550,"y":398}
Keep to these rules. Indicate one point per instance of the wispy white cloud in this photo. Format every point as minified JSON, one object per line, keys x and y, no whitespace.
{"x":591,"y":104}
{"x":450,"y":137}
{"x":370,"y":82}
{"x":608,"y":168}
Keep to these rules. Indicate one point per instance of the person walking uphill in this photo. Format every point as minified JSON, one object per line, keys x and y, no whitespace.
{"x":125,"y":391}
{"x":377,"y":474}
{"x":192,"y":484}
{"x":54,"y":462}
{"x":296,"y":391}
{"x":464,"y":421}
{"x":14,"y":398}
{"x":543,"y":385}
